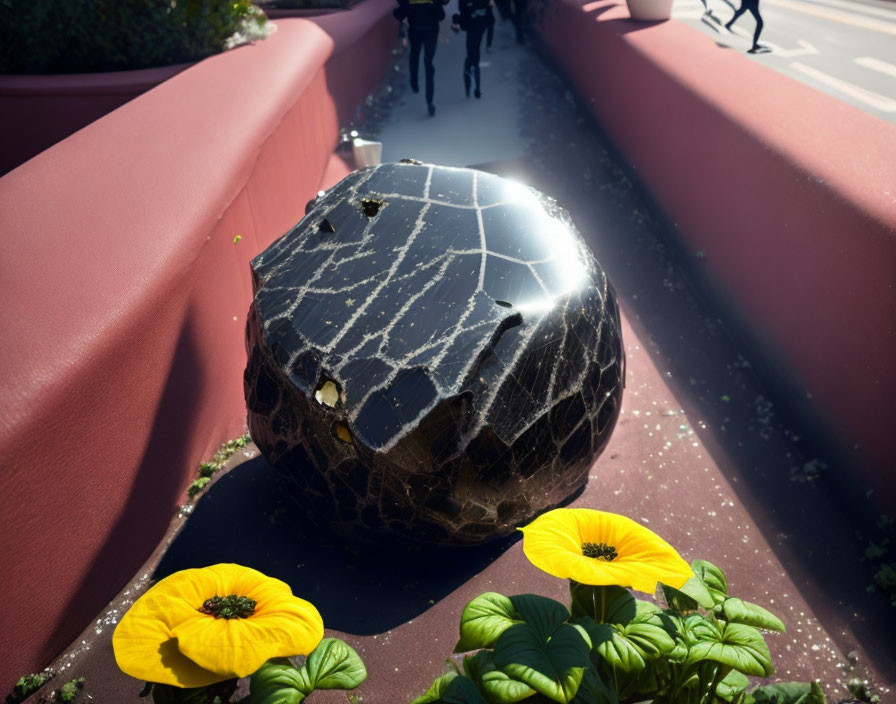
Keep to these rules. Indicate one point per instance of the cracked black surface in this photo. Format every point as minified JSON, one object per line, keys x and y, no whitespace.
{"x":434,"y":352}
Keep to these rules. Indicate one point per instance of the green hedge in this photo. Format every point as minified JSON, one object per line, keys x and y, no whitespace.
{"x":74,"y":36}
{"x":307,"y":4}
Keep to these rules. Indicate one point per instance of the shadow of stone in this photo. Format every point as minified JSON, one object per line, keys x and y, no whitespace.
{"x":360,"y":589}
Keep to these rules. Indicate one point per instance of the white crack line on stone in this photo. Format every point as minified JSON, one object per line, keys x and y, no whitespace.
{"x":482,"y":243}
{"x":402,"y":253}
{"x":436,"y":201}
{"x":559,"y":357}
{"x":499,"y":382}
{"x":349,"y":354}
{"x":303,"y":290}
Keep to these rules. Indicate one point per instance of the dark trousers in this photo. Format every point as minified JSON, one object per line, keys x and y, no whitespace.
{"x":427,"y":40}
{"x":504,"y":9}
{"x":519,"y":19}
{"x":475,"y":30}
{"x":753,"y":7}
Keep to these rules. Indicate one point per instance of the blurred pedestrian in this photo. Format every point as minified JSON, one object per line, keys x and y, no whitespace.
{"x":475,"y":18}
{"x":753,"y":7}
{"x":520,"y":20}
{"x":423,"y":18}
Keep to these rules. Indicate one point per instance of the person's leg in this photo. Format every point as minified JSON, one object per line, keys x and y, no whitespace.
{"x":468,"y":61}
{"x":737,"y":13}
{"x":754,"y":10}
{"x":416,"y":44}
{"x":489,"y":32}
{"x":519,"y":19}
{"x":504,"y":10}
{"x":429,"y":51}
{"x":474,"y":45}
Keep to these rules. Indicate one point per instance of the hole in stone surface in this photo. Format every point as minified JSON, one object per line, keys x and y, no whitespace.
{"x":371,"y":206}
{"x":343,"y":433}
{"x":504,"y":304}
{"x":327,"y":394}
{"x":326,"y":226}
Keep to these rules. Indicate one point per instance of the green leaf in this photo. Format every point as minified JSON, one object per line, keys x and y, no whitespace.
{"x":278,"y":682}
{"x":436,"y":689}
{"x":543,"y":614}
{"x":483,"y":621}
{"x":605,"y":604}
{"x":739,"y":646}
{"x":650,"y":639}
{"x":334,"y":665}
{"x":732,"y":685}
{"x":594,"y":633}
{"x":553,"y":668}
{"x":594,"y":690}
{"x":789,"y":693}
{"x":496,"y":686}
{"x":713,"y":579}
{"x":451,"y":688}
{"x":633,"y":645}
{"x":738,"y":611}
{"x":461,"y":690}
{"x":693,"y":593}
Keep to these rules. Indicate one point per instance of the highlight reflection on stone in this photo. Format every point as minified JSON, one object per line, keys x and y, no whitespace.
{"x":433,"y":352}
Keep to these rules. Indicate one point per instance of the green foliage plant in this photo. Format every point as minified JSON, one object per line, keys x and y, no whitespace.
{"x":69,"y":692}
{"x":333,"y":664}
{"x":27,"y":685}
{"x":609,"y":647}
{"x":79,"y":36}
{"x":208,"y":469}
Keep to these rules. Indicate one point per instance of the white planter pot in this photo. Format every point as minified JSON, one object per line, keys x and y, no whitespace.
{"x":649,"y":10}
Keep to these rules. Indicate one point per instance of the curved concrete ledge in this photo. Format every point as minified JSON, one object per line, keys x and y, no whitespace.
{"x":41,"y":110}
{"x":125,"y":296}
{"x":788,"y":192}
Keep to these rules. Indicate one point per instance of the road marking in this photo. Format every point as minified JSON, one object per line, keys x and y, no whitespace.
{"x":856,"y":8}
{"x":877,"y":65}
{"x":837,"y":16}
{"x":875,"y":100}
{"x":804,"y":48}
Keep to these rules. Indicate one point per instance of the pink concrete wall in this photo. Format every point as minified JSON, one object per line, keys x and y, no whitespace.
{"x":124,"y":309}
{"x":787,"y":191}
{"x":38,"y":111}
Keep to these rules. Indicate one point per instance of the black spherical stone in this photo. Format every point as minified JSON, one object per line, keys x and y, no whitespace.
{"x":433,"y":352}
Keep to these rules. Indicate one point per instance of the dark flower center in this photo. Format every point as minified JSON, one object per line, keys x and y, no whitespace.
{"x":599,"y":551}
{"x":231,"y":606}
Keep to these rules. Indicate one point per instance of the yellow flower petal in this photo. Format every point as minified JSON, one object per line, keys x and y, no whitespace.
{"x":145,"y":648}
{"x":165,"y":638}
{"x":243,"y":645}
{"x":553,"y":543}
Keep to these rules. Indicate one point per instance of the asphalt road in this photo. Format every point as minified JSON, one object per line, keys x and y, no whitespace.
{"x":844,"y":48}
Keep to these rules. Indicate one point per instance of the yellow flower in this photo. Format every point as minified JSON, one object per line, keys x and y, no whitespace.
{"x":601,"y":549}
{"x":202,"y":626}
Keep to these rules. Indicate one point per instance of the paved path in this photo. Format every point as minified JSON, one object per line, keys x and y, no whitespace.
{"x":706,"y":451}
{"x":842,"y":47}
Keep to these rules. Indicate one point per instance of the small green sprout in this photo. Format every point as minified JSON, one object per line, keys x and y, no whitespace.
{"x":28,"y":684}
{"x":70,"y":690}
{"x":197,"y":486}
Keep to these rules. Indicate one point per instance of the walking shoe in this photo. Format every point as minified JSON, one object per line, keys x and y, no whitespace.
{"x":432,"y":109}
{"x":759,"y":49}
{"x":477,"y":93}
{"x":415,"y":87}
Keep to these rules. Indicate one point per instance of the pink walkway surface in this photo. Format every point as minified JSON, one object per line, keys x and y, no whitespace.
{"x":789,"y":193}
{"x":124,"y":273}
